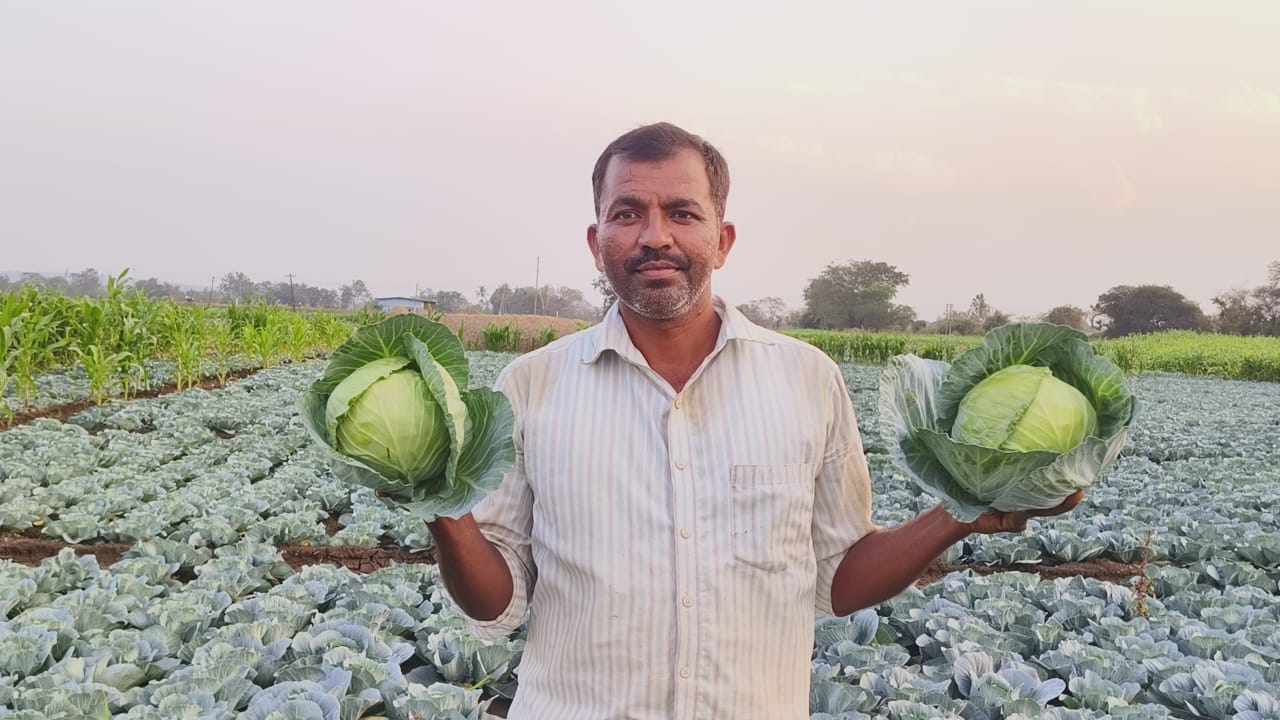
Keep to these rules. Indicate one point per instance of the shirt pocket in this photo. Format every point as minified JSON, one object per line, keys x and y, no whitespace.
{"x":771,"y":514}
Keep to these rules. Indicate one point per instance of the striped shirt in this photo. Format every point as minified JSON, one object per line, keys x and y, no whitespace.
{"x":672,"y":550}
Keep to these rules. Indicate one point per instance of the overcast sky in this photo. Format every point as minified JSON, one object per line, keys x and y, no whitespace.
{"x":1038,"y":153}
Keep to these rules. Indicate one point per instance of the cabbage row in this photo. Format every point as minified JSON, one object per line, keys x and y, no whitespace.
{"x":249,"y":638}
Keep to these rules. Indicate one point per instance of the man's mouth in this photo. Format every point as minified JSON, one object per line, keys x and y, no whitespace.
{"x":657,"y":270}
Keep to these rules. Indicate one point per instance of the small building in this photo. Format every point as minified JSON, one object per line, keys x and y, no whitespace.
{"x":387,"y":304}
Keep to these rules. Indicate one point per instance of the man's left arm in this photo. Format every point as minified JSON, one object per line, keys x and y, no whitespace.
{"x":883,"y":563}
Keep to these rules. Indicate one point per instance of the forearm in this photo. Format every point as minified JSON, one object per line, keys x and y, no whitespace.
{"x":472,"y":568}
{"x":886,"y":562}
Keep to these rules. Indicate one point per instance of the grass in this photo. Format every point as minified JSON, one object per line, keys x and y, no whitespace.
{"x":1225,"y":356}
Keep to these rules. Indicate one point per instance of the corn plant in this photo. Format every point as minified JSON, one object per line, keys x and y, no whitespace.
{"x":185,"y":330}
{"x":329,"y":331}
{"x":263,"y":344}
{"x":297,"y":337}
{"x":222,"y":343}
{"x":102,"y":366}
{"x":502,"y":338}
{"x":546,"y":336}
{"x":37,"y":339}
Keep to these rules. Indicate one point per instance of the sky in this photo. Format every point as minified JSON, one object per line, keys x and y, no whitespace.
{"x":1037,"y":153}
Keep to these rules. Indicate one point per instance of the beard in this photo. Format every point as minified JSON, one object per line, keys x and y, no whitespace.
{"x":665,"y":299}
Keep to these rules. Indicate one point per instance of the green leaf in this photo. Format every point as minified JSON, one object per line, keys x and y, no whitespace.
{"x":354,"y":385}
{"x":445,"y":392}
{"x":387,"y":339}
{"x":1015,"y":344}
{"x":484,"y":461}
{"x":983,"y":473}
{"x":311,"y":410}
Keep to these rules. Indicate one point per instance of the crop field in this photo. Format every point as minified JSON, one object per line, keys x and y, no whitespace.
{"x":1240,"y":358}
{"x":189,"y":555}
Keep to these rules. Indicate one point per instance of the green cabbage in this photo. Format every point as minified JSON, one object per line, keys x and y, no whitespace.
{"x":394,"y":413}
{"x":1018,"y":423}
{"x":1024,"y":408}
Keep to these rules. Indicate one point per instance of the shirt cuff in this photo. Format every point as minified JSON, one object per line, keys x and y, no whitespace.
{"x":510,"y":619}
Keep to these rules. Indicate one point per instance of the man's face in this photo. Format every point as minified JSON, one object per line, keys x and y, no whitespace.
{"x":658,"y":237}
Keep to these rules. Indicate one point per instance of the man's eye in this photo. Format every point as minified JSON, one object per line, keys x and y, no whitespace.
{"x":626,"y":215}
{"x":683,"y":215}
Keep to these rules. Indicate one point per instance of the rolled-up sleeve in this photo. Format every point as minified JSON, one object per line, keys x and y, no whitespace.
{"x":842,"y":492}
{"x":505,"y":518}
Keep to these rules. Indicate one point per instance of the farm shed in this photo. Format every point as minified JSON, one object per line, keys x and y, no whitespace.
{"x":387,"y":304}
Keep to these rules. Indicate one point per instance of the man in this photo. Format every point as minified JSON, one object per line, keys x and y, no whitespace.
{"x":689,"y":488}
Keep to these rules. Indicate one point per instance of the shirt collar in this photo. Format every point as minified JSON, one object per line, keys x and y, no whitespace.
{"x":611,"y":333}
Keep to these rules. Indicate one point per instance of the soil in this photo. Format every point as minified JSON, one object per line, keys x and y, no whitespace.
{"x":473,"y":326}
{"x":68,"y":410}
{"x":30,"y":548}
{"x":1101,"y":569}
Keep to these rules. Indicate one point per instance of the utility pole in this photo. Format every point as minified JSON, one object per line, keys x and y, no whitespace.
{"x":292,"y":302}
{"x":948,"y":318}
{"x":537,"y":291}
{"x":211,"y":277}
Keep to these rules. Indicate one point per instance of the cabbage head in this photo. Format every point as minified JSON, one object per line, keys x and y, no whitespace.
{"x":394,"y":410}
{"x":1018,"y":423}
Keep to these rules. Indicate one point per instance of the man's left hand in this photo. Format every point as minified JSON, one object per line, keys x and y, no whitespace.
{"x":998,"y":522}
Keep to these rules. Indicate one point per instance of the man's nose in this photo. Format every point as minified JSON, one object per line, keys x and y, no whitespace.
{"x":656,"y":232}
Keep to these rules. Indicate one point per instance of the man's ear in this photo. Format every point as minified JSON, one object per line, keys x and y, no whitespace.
{"x":594,"y":245}
{"x":728,"y":234}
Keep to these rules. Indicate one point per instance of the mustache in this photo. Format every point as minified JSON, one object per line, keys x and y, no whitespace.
{"x":649,"y":255}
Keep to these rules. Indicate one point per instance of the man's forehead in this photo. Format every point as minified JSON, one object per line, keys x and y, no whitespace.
{"x":683,"y":173}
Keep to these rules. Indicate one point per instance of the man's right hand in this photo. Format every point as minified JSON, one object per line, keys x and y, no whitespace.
{"x":473,"y":570}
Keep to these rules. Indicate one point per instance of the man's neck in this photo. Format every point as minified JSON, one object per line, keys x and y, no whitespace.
{"x":675,"y":348}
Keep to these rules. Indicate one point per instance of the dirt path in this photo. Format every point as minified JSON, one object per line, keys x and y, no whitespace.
{"x":62,"y":412}
{"x":30,"y":550}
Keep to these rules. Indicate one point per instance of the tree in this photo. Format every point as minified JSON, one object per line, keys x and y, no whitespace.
{"x":157,"y":289}
{"x":602,"y":286}
{"x":856,"y":295}
{"x":354,"y":294}
{"x":1251,"y":312}
{"x":995,"y":319}
{"x":86,"y":283}
{"x":1069,"y":315}
{"x":236,"y":287}
{"x":770,"y":312}
{"x":979,"y":308}
{"x":451,"y":301}
{"x":984,"y":316}
{"x":1125,"y":310}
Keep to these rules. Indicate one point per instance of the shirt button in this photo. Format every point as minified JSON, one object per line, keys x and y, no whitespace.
{"x":684,"y":533}
{"x":685,"y":601}
{"x":679,"y":464}
{"x":678,"y":402}
{"x":684,"y":672}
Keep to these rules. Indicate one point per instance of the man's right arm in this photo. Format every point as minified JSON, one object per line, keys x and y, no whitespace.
{"x":484,"y":557}
{"x":472,"y":568}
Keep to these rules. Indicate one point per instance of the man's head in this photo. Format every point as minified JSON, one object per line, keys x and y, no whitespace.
{"x":660,"y":195}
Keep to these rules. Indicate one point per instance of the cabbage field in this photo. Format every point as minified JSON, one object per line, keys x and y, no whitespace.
{"x":190,"y":555}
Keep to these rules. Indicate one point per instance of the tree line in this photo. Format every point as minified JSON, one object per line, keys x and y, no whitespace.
{"x":860,"y":295}
{"x":857,"y":295}
{"x":238,"y":287}
{"x":235,"y":287}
